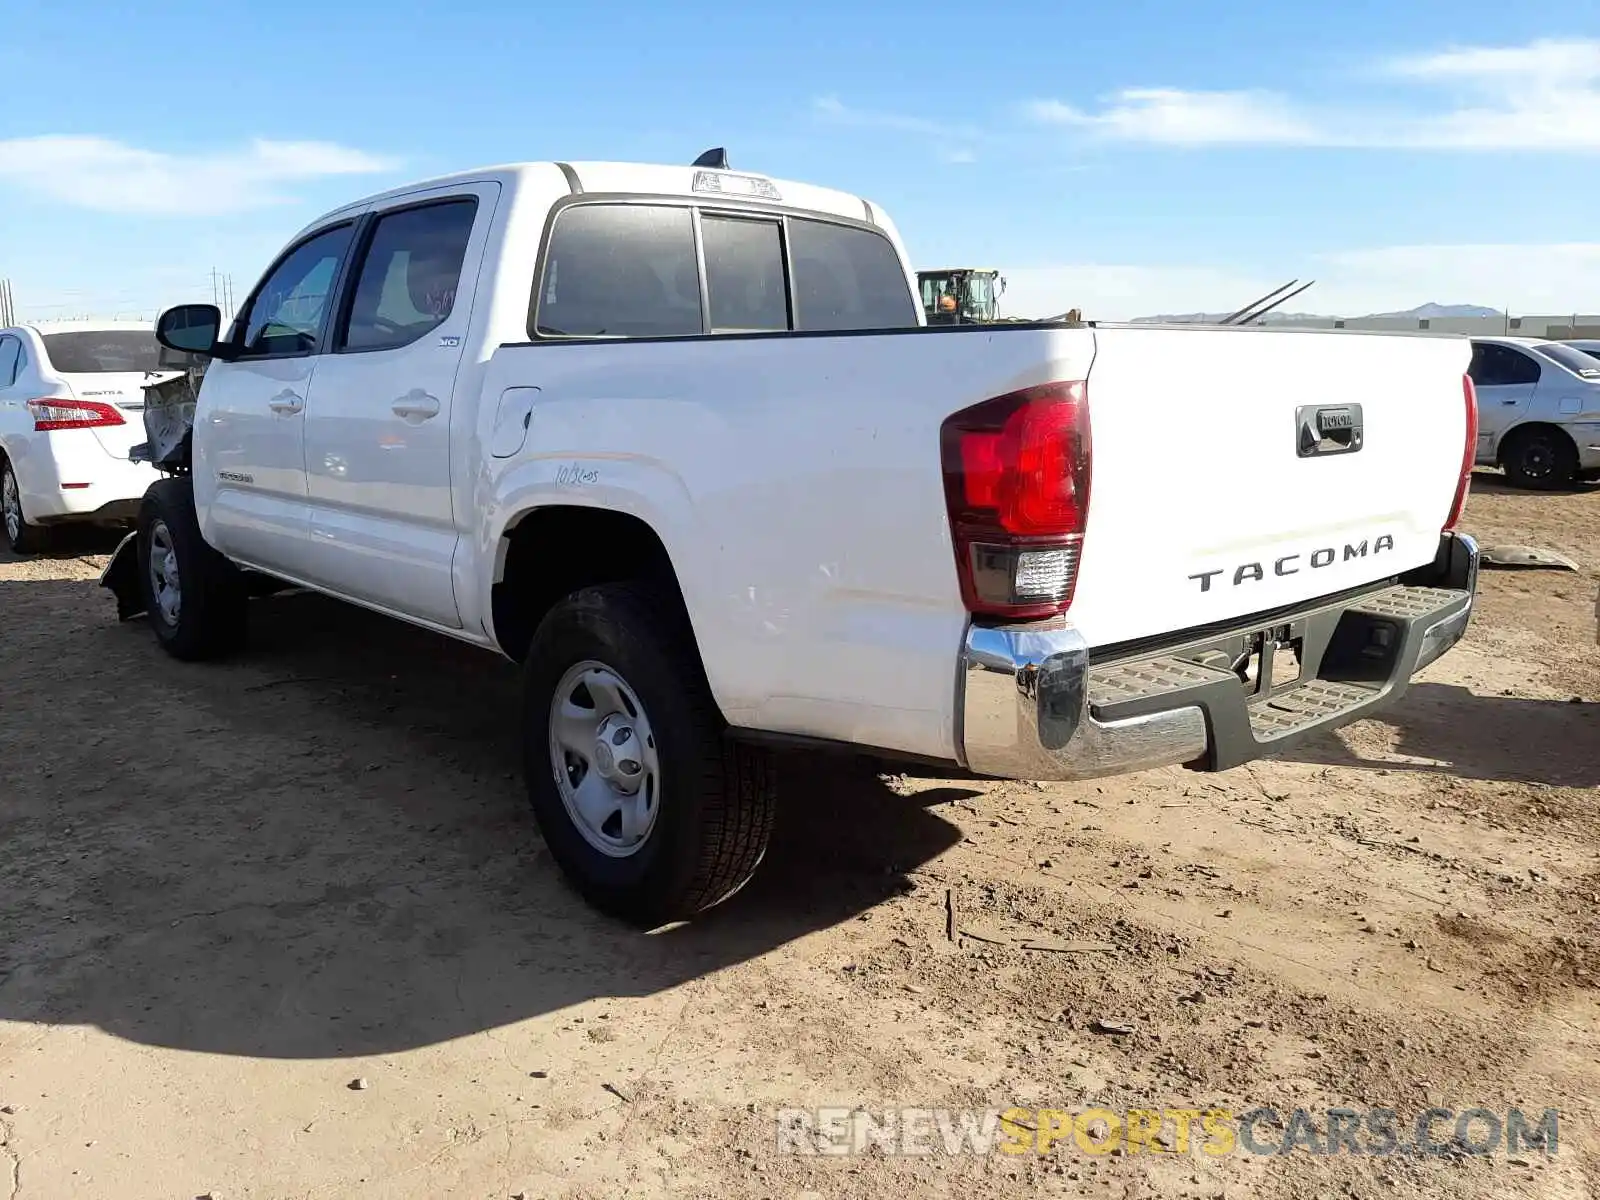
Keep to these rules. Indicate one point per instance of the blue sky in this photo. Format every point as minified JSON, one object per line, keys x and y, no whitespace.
{"x":1133,"y":157}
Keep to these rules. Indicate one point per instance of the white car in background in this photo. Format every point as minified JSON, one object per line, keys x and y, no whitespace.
{"x":1538,"y":410}
{"x":71,"y":408}
{"x":1590,"y":346}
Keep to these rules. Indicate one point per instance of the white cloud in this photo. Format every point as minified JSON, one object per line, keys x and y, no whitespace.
{"x":1531,"y":279}
{"x":1181,"y":118}
{"x":1548,"y":58}
{"x":953,"y":141}
{"x":111,"y":176}
{"x":831,"y":108}
{"x":1541,"y":96}
{"x":1544,"y":95}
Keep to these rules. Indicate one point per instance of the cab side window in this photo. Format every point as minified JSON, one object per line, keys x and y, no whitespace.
{"x":407,"y":283}
{"x":620,"y":270}
{"x":849,"y":278}
{"x":288,"y":311}
{"x":744,"y":274}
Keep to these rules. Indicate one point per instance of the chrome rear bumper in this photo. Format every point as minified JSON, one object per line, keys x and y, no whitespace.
{"x":1034,"y":706}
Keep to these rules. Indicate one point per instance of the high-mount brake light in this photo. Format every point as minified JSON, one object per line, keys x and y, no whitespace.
{"x":1469,"y":453}
{"x":1016,"y":477}
{"x":722,"y":183}
{"x":52,"y":413}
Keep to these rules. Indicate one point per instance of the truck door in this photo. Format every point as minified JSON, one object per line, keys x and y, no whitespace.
{"x":249,"y":467}
{"x":378,"y":431}
{"x":1505,"y":379}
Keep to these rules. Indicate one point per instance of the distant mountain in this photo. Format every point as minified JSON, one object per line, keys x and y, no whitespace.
{"x":1429,"y":311}
{"x":1213,"y":318}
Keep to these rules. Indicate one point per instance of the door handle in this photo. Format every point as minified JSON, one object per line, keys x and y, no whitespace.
{"x":416,"y":406}
{"x":1512,"y":403}
{"x":286,"y":402}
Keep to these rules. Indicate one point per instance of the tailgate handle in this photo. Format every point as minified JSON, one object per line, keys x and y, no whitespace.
{"x":1322,"y":429}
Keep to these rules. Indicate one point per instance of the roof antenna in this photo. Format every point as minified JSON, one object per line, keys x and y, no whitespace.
{"x":716,"y":160}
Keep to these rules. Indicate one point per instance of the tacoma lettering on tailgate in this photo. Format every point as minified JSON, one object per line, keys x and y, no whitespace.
{"x":1292,"y":564}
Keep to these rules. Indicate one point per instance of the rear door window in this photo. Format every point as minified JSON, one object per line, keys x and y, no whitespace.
{"x":1494,"y":365}
{"x":9,"y":348}
{"x":744,"y":274}
{"x":620,"y":270}
{"x":407,"y":284}
{"x":847,"y":278}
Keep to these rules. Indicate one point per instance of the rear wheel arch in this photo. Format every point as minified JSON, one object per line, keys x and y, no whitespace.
{"x":29,"y":538}
{"x":549,"y":552}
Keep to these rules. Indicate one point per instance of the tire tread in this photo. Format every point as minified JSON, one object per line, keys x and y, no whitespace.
{"x":1566,"y":469}
{"x":734,"y":783}
{"x":212,"y":624}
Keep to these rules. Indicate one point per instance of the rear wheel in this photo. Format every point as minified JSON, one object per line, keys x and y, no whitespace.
{"x":21,"y":535}
{"x":195,"y":598}
{"x":1541,"y":458}
{"x":647,"y":805}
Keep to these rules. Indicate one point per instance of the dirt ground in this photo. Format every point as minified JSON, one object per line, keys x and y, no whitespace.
{"x":227,"y":893}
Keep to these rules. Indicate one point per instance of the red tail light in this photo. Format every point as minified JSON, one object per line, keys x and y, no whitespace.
{"x":53,"y":412}
{"x":1468,"y":455}
{"x":1016,"y":481}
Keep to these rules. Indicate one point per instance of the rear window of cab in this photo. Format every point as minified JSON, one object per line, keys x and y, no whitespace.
{"x":631,"y":270}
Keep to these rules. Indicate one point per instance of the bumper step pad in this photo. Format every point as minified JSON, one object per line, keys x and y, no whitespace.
{"x":1340,"y":682}
{"x":1308,"y":704}
{"x":1121,"y":683}
{"x":1405,"y":603}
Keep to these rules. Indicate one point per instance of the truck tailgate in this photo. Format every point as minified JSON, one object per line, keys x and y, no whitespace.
{"x":1204,"y":508}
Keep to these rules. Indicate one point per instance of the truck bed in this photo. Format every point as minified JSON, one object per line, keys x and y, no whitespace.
{"x":796,"y":481}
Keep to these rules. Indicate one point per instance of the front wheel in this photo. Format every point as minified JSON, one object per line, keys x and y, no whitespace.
{"x":647,"y":805}
{"x":195,"y":597}
{"x":1541,"y":459}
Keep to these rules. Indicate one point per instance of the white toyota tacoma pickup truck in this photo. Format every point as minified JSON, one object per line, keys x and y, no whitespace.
{"x":677,"y":441}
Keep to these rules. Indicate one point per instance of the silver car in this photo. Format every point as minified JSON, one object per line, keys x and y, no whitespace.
{"x":1538,"y":410}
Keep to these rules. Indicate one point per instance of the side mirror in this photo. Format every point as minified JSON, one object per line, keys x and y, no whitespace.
{"x":192,"y":329}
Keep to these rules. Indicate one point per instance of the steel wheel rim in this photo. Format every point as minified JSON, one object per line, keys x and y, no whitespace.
{"x":1538,"y":460}
{"x":11,"y":503}
{"x":604,"y":758}
{"x":165,"y":586}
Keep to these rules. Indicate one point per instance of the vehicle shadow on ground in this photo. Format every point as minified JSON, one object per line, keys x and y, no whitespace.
{"x":1479,"y":737}
{"x":324,"y":849}
{"x":70,"y":541}
{"x":1494,"y":483}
